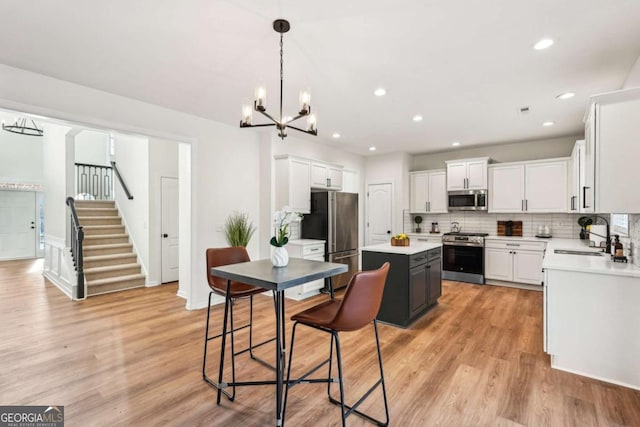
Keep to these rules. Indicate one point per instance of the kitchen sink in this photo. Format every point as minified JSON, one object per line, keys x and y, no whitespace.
{"x":572,"y":252}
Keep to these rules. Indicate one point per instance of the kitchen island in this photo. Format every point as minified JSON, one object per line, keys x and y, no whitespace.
{"x":413,"y":283}
{"x":591,"y":315}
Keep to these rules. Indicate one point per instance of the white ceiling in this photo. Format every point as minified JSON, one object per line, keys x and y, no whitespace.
{"x":466,"y":66}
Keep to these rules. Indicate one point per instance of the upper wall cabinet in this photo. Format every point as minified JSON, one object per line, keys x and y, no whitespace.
{"x":293,"y":183}
{"x":428,"y":191}
{"x":612,"y":150}
{"x":536,"y":187}
{"x":326,"y":176}
{"x":577,"y":178}
{"x":469,"y":174}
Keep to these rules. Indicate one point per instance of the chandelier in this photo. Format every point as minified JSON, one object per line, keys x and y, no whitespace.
{"x":20,"y":127}
{"x":283,"y":122}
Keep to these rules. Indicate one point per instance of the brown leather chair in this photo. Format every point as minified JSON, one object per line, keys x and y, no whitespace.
{"x":224,"y":256}
{"x":358,"y":308}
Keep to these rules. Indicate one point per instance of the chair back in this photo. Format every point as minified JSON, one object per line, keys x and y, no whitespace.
{"x":224,"y":256}
{"x":362,"y":299}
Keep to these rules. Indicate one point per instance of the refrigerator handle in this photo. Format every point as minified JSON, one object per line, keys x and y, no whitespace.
{"x":331,"y":244}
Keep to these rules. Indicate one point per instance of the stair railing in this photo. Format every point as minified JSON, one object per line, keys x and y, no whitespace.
{"x":77,"y":236}
{"x":96,"y":180}
{"x":124,"y":186}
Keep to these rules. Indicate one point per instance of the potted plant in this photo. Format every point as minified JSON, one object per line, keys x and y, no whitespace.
{"x":281,"y":221}
{"x":418,"y":220}
{"x":238,"y":229}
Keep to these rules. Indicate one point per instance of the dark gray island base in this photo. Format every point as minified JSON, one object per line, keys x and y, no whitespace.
{"x":414,"y":282}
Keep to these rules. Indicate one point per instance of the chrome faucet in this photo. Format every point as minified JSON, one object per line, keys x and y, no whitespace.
{"x":608,"y":236}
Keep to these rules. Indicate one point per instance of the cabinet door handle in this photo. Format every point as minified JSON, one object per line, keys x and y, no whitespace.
{"x":314,"y":249}
{"x":526,"y":204}
{"x":426,"y":206}
{"x":522,"y":205}
{"x":584,"y":197}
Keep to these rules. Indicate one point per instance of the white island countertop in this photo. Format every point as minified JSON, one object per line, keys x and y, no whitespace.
{"x":414,"y":248}
{"x":584,"y":263}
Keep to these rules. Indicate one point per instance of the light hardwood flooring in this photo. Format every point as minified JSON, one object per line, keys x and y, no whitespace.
{"x":134,"y":358}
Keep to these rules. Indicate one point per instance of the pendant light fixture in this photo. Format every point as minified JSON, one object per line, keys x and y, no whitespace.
{"x":282,"y":122}
{"x":20,"y":127}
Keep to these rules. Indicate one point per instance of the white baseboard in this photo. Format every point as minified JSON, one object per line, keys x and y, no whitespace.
{"x":554,"y":365}
{"x":152,"y":284}
{"x":182,"y":294}
{"x":64,"y":286}
{"x":538,"y":288}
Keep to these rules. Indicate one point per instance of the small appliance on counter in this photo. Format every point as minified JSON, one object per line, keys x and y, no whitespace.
{"x":544,"y":231}
{"x":455,"y":227}
{"x":435,"y":229}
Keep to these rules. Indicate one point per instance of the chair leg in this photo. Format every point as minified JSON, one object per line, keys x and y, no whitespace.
{"x":227,"y":303}
{"x":384,"y":390}
{"x":330,"y":367}
{"x":340,"y":378}
{"x":206,"y":340}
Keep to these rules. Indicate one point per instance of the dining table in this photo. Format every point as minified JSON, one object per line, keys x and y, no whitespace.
{"x":263,"y":274}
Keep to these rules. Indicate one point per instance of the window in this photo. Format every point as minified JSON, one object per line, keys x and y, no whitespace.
{"x":620,"y":224}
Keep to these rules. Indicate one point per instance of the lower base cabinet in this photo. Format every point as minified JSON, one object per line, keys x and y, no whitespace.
{"x":519,"y":262}
{"x":306,"y":249}
{"x":413,"y":284}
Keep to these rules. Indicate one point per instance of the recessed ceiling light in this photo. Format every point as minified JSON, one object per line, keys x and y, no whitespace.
{"x":380,"y":92}
{"x":336,"y":135}
{"x":372,"y":148}
{"x":566,"y":95}
{"x":417,"y":118}
{"x":543,"y":44}
{"x":455,"y":144}
{"x":549,"y":123}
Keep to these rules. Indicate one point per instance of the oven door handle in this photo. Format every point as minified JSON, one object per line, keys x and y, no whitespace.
{"x":462,"y":244}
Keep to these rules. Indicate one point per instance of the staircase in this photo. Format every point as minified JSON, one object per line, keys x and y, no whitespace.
{"x":110,"y":264}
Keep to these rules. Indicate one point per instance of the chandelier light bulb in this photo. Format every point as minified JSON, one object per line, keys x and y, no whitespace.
{"x":312,"y":123}
{"x":305,"y":102}
{"x":261,"y":96}
{"x":247,"y":113}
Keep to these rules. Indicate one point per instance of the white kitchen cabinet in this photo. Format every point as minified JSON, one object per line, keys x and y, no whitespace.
{"x":350,"y":181}
{"x":536,"y":187}
{"x":612,"y":132}
{"x":423,"y":237}
{"x":468,"y":174}
{"x":293,"y":183}
{"x":428,"y":191}
{"x":326,"y":176}
{"x":577,"y":177}
{"x":514,"y":261}
{"x":311,"y":250}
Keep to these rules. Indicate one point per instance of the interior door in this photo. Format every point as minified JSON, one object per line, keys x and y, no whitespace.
{"x":379,"y":217}
{"x":170,"y":237}
{"x":17,"y":224}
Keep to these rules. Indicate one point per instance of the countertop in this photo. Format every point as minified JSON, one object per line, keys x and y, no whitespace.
{"x":414,"y":248}
{"x":584,"y":263}
{"x":305,"y":242}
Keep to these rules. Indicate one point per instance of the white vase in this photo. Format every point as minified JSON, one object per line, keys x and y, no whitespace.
{"x":280,"y":257}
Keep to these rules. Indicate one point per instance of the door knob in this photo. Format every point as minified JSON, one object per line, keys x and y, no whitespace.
{"x":165,"y":235}
{"x":33,"y":226}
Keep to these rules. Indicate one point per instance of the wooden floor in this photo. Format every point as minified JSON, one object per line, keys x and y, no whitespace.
{"x":134,"y":358}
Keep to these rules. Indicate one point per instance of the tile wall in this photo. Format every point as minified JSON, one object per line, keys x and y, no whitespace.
{"x":561,"y":225}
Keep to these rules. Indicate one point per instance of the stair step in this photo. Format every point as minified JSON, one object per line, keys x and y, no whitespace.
{"x":99,"y":220}
{"x":105,"y":239}
{"x":113,"y":284}
{"x":94,"y":204}
{"x":106,"y":271}
{"x":102,"y":260}
{"x":96,"y":211}
{"x":108,"y":249}
{"x":93,"y":230}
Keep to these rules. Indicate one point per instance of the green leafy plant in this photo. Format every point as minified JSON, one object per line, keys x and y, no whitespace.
{"x":238,"y":229}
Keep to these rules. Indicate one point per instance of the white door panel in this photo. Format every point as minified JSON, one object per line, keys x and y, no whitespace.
{"x":379,"y":213}
{"x":17,"y":224}
{"x":170,"y":236}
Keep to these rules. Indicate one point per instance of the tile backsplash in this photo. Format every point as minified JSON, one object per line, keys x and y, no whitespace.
{"x":561,"y":225}
{"x":634,"y":234}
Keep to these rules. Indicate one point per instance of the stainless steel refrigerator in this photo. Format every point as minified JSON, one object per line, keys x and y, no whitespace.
{"x":334,"y":218}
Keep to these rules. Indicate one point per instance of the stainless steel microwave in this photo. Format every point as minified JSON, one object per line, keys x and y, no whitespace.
{"x":468,"y":200}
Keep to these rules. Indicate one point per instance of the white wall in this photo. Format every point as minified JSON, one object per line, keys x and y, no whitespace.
{"x":92,"y":148}
{"x":132,"y":160}
{"x":510,"y":152}
{"x":20,"y":158}
{"x":163,"y":162}
{"x":55,"y":180}
{"x":394,"y":168}
{"x":633,"y":80}
{"x":218,"y":185}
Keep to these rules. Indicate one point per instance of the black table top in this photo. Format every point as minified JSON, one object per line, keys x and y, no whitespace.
{"x":262,"y":273}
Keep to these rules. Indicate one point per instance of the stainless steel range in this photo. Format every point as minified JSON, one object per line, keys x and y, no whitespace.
{"x":463,"y":257}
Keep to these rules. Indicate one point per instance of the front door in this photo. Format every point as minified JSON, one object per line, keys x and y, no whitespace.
{"x":170,"y":236}
{"x":17,"y":224}
{"x":379,"y":217}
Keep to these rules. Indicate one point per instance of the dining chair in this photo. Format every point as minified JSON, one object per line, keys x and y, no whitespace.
{"x":358,"y":308}
{"x":218,"y":257}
